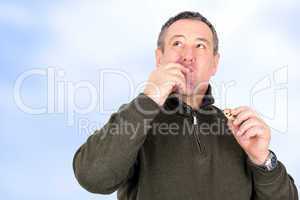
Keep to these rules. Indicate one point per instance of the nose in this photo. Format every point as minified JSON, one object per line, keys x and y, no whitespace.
{"x":188,"y":57}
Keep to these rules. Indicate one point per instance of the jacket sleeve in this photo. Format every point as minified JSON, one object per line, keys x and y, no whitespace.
{"x":276,"y":184}
{"x":107,"y":158}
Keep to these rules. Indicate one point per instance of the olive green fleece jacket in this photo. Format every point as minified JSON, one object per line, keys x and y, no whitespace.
{"x":151,"y":152}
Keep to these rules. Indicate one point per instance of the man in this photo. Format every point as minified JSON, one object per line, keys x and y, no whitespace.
{"x":179,"y":145}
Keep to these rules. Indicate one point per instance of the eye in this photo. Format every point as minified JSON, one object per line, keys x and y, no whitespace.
{"x":200,"y":46}
{"x":177,"y":44}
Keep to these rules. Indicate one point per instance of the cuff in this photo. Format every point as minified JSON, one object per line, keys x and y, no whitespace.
{"x":262,"y":176}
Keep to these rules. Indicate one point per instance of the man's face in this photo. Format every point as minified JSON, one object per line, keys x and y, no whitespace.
{"x":190,"y":43}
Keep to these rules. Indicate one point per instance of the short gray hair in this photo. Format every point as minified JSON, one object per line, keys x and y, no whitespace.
{"x":188,"y":15}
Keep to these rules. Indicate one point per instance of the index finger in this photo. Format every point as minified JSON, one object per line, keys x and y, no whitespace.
{"x":182,"y":68}
{"x":238,"y":110}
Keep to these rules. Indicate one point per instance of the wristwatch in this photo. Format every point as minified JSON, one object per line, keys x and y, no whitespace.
{"x":270,"y":163}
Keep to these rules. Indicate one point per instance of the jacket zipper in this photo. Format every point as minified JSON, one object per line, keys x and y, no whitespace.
{"x":195,"y":129}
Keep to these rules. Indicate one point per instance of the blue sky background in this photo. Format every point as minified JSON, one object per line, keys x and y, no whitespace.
{"x":259,"y":46}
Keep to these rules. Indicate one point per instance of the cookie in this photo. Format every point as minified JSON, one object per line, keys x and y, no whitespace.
{"x":228,"y":114}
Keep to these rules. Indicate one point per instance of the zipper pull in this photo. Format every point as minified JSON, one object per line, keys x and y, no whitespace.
{"x":194,"y":120}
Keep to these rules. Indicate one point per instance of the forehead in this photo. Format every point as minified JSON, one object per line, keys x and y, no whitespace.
{"x":189,"y":28}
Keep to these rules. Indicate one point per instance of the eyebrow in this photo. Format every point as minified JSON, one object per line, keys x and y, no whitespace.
{"x":198,"y":38}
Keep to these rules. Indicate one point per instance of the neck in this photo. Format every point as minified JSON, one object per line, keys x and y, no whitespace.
{"x":195,"y":100}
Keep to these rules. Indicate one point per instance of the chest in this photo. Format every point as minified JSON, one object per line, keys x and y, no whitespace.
{"x":189,"y":159}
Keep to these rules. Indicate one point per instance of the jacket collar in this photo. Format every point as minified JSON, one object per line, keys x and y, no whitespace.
{"x":174,"y":103}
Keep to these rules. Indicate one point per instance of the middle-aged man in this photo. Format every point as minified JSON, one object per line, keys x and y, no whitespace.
{"x":171,"y":142}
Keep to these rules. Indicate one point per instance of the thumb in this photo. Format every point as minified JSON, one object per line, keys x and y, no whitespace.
{"x":232,"y":127}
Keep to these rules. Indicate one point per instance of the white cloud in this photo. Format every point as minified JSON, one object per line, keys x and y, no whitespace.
{"x":117,"y":33}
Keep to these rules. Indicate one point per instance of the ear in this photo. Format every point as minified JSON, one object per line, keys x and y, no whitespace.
{"x":215,"y":64}
{"x":158,"y":56}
